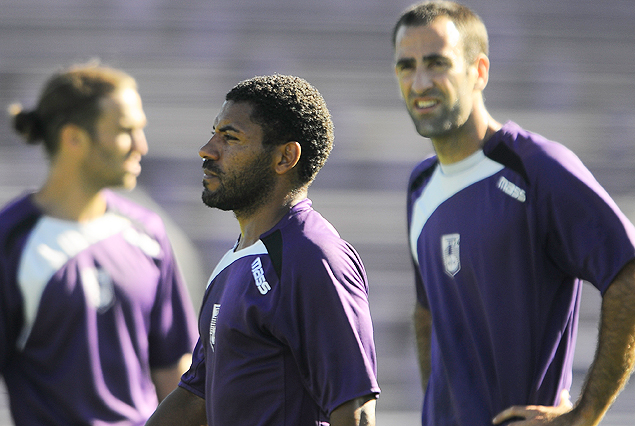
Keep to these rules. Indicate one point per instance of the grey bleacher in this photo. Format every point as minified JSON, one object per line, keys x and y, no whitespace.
{"x":564,"y":69}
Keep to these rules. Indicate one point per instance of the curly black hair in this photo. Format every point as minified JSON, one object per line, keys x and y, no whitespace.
{"x":288,"y":108}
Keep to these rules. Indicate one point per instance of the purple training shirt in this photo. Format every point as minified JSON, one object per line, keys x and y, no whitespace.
{"x":86,"y":311}
{"x":500,"y":243}
{"x":285,"y":328}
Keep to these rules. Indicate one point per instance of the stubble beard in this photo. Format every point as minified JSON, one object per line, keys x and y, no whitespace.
{"x":445,"y":122}
{"x":104,"y":169}
{"x":243,"y":192}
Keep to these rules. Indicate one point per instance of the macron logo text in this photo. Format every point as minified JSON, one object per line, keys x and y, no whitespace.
{"x":259,"y":277}
{"x":512,"y":190}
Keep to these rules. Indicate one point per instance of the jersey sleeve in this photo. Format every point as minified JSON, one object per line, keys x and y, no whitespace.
{"x":194,"y":379}
{"x":10,"y":312}
{"x":173,"y":330}
{"x":325,"y":320}
{"x":586,"y":233}
{"x":16,"y":222}
{"x":420,"y":290}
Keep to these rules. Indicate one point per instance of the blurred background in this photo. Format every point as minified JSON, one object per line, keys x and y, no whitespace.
{"x":564,"y":69}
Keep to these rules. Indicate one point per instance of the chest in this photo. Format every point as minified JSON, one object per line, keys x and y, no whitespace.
{"x":454,"y":227}
{"x":238,"y":311}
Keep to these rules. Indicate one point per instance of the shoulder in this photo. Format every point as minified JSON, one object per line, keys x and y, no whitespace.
{"x":307,"y":243}
{"x":421,"y":173}
{"x":309,"y":230}
{"x":531,"y":155}
{"x":16,"y":220}
{"x":524,"y":143}
{"x":142,"y":217}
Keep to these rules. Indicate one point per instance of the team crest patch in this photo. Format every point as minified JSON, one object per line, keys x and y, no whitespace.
{"x":98,"y":288}
{"x":212,"y":325}
{"x":451,"y":256}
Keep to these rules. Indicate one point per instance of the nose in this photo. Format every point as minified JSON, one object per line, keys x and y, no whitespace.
{"x":209,"y":150}
{"x":139,"y":142}
{"x":421,"y":80}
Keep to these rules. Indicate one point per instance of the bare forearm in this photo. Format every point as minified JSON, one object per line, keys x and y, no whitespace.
{"x":423,"y":334}
{"x":179,"y":408}
{"x":356,"y":412}
{"x":615,"y":355}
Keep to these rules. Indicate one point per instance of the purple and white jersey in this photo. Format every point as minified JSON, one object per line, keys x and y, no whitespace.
{"x":500,"y":243}
{"x":86,"y":311}
{"x":285,"y":328}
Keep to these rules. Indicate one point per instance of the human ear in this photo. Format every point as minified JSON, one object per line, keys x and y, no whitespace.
{"x":73,"y":138}
{"x":482,"y":69}
{"x":288,"y":156}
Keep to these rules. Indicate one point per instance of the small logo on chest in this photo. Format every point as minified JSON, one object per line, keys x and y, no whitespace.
{"x":259,"y":277}
{"x":450,"y":244}
{"x":512,"y":190}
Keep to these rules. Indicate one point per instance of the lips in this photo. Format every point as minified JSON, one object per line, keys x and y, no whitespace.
{"x":209,"y":176}
{"x":424,"y":105}
{"x":133,"y":167}
{"x":211,"y":171}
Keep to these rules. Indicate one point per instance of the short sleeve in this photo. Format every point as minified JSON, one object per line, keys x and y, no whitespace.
{"x":173,"y":330}
{"x":325,"y":320}
{"x":587,"y":234}
{"x":194,"y":379}
{"x":17,"y":220}
{"x":10,"y":316}
{"x":420,"y":290}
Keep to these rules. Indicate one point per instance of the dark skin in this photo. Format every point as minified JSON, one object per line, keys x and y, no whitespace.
{"x":182,"y":407}
{"x":235,"y":140}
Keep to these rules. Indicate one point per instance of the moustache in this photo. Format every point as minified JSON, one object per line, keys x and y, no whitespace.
{"x":432,"y":93}
{"x":210,"y":166}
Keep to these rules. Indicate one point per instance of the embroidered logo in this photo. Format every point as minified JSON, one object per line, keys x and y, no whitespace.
{"x":451,"y":256}
{"x":512,"y":190}
{"x":212,"y":325}
{"x":259,"y":277}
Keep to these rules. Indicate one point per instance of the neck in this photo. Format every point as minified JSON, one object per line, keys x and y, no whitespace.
{"x":467,"y":139}
{"x":265,"y":218}
{"x":64,"y":197}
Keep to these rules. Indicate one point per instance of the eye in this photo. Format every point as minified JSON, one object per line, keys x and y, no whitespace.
{"x":404,"y":66}
{"x":439,"y":64}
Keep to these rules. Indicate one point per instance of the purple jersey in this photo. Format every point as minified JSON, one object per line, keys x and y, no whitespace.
{"x":86,"y":311}
{"x":500,"y":243}
{"x":285,"y":328}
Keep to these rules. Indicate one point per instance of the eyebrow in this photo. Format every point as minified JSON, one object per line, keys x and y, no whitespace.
{"x":404,"y":61}
{"x":435,"y":57}
{"x":227,"y":128}
{"x":428,"y":58}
